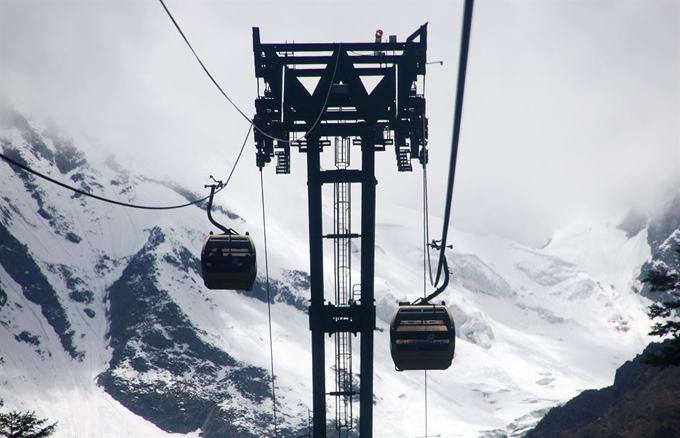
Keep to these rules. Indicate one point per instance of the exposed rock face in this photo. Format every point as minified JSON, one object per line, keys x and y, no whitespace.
{"x":634,"y":222}
{"x":642,"y":402}
{"x":98,"y":302}
{"x":664,"y":239}
{"x":19,"y":264}
{"x":162,"y":367}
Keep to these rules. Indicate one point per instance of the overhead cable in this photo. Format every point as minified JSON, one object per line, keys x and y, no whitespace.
{"x":462,"y":67}
{"x":269,"y":305}
{"x":251,"y":121}
{"x":205,"y":69}
{"x":111,"y":201}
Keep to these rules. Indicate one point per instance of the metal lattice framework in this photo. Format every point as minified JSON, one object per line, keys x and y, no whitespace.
{"x":340,"y":107}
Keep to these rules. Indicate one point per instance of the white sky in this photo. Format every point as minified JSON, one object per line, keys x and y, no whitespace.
{"x":571,"y":107}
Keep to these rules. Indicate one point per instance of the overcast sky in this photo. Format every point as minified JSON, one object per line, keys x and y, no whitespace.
{"x":571,"y":107}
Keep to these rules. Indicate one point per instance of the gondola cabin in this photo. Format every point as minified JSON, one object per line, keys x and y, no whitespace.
{"x":422,"y":337}
{"x":228,"y":262}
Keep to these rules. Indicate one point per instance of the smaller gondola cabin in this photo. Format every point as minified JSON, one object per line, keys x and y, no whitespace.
{"x":228,"y":261}
{"x":422,"y":337}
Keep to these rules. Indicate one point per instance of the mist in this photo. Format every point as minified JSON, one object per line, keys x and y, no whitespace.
{"x":572,"y":108}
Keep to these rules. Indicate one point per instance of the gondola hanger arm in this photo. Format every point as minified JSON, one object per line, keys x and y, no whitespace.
{"x":217,"y":186}
{"x":426,"y":300}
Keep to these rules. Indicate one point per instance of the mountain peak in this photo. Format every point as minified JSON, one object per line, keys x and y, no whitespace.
{"x":113,"y":310}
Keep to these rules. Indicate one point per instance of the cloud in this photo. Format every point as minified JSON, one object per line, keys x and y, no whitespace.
{"x":570,"y":107}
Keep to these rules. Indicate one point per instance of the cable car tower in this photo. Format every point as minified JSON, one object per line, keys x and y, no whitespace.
{"x":340,"y":110}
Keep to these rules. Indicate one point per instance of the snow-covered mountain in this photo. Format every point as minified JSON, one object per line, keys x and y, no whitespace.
{"x":108,"y":329}
{"x":642,"y":402}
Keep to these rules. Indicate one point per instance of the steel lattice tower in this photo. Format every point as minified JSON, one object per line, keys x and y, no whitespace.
{"x":340,"y":107}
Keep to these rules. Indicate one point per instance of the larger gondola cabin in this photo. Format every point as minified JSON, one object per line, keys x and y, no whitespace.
{"x":422,"y":337}
{"x":228,"y":261}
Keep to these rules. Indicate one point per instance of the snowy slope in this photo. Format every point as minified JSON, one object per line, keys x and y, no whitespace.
{"x":535,"y":329}
{"x":139,"y":333}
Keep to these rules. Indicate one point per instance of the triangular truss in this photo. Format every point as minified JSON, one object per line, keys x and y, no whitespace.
{"x":340,"y":105}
